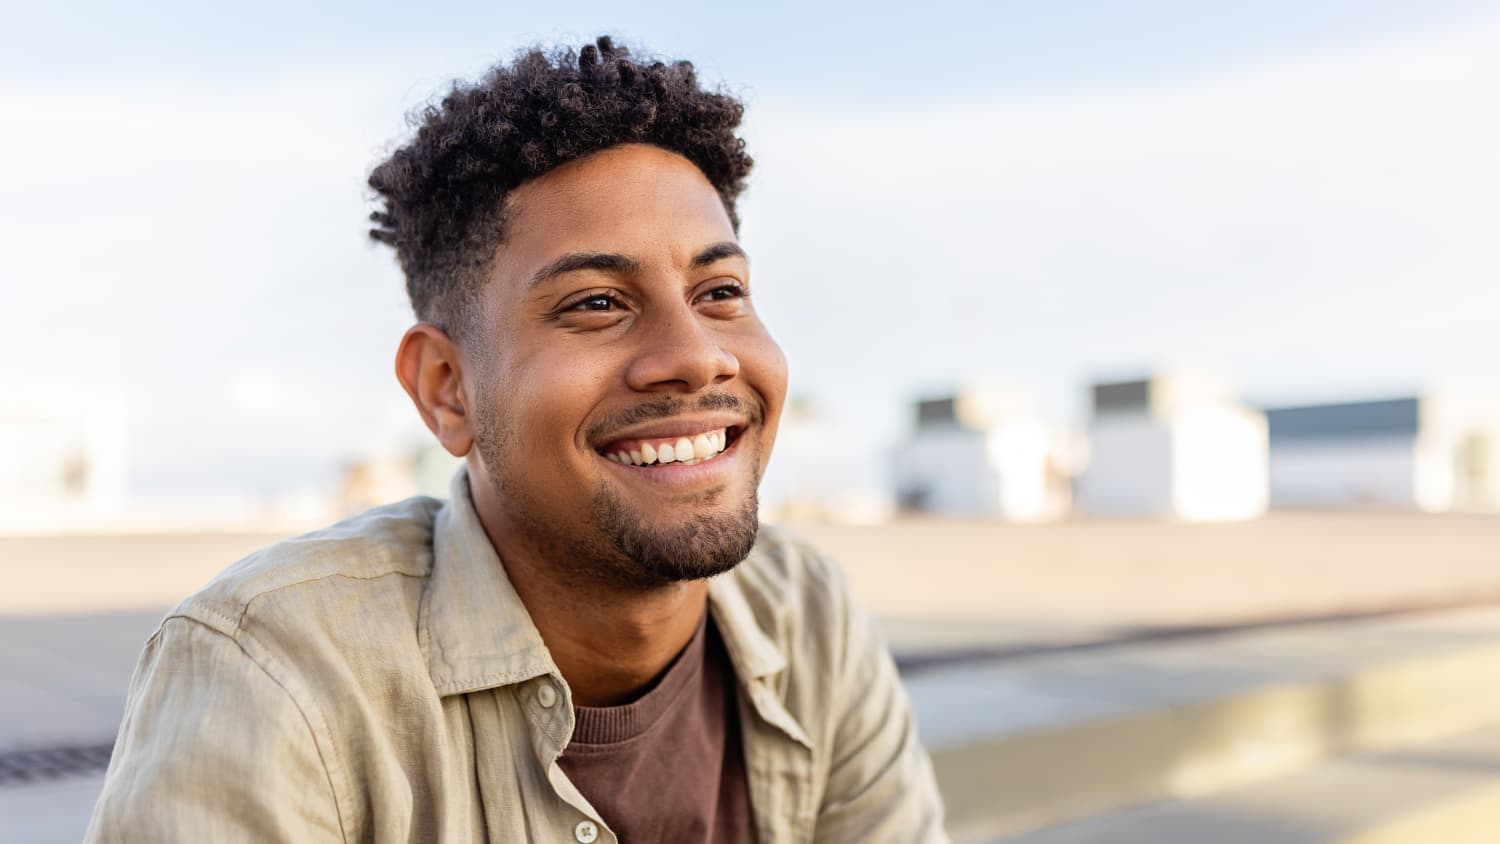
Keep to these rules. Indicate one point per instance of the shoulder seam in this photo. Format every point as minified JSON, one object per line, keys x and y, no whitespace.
{"x":238,"y":624}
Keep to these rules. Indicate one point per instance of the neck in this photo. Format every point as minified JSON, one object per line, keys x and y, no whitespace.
{"x":610,"y":651}
{"x":608,"y":641}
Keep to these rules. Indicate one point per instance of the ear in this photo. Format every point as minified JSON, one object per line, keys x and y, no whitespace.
{"x":429,"y":367}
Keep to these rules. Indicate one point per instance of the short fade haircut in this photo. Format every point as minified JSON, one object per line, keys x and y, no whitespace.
{"x":444,"y":192}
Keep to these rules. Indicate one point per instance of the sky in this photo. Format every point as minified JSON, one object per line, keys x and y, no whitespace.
{"x":1301,"y":195}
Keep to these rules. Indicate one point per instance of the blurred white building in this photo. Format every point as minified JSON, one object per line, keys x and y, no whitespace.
{"x":1436,"y":452}
{"x":822,"y":470}
{"x":1176,"y":445}
{"x":62,"y":458}
{"x":985,"y":453}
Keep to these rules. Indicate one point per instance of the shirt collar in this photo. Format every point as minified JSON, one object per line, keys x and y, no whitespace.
{"x":478,"y":634}
{"x":755,"y":655}
{"x":475,"y":629}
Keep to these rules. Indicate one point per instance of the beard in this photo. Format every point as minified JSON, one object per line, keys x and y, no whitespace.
{"x":704,"y":546}
{"x":614,"y":544}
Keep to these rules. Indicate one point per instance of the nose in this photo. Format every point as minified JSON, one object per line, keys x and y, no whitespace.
{"x":680,"y":353}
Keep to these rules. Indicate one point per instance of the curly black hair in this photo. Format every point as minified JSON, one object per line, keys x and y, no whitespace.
{"x":444,"y":192}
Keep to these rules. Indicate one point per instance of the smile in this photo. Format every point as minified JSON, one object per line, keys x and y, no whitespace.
{"x":689,"y":448}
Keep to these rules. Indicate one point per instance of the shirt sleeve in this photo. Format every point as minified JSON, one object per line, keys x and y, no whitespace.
{"x":880,"y":785}
{"x":212,"y":748}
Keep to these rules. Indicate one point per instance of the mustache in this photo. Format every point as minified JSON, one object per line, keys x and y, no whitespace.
{"x":665,"y":407}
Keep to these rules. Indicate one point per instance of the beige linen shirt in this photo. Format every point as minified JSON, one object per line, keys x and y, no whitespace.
{"x":380,"y":680}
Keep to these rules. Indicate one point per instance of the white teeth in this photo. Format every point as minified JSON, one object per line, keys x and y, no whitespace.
{"x":683,"y":450}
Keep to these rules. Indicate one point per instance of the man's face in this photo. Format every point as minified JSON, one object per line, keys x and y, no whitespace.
{"x":617,"y":328}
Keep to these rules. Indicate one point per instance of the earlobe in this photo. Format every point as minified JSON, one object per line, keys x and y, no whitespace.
{"x":430,"y":370}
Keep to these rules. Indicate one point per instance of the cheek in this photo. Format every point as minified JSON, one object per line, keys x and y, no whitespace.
{"x":556,"y":393}
{"x":764,"y":368}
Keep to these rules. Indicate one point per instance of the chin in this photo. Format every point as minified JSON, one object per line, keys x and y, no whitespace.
{"x":705,"y":544}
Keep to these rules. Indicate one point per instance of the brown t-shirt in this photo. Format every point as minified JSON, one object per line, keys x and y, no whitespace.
{"x":668,"y":767}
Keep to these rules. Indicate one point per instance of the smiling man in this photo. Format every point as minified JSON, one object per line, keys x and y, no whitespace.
{"x":593,"y":639}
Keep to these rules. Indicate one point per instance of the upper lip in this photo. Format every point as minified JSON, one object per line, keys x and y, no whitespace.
{"x":674,"y":427}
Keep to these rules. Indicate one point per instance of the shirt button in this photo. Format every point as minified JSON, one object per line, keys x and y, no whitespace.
{"x":547,"y":697}
{"x":586,"y":832}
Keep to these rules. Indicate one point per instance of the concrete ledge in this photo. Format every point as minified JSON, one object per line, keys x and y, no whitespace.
{"x":1445,"y":792}
{"x":1021,"y":746}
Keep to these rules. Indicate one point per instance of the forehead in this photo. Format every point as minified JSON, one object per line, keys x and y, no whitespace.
{"x":637,"y":200}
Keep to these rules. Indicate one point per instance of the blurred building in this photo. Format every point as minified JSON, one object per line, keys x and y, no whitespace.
{"x":1436,"y":452}
{"x":1177,"y":445}
{"x":822,"y":471}
{"x":62,"y":459}
{"x":985,"y":453}
{"x":374,"y":481}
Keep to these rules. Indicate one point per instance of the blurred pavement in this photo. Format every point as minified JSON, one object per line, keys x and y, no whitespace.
{"x":79,"y":609}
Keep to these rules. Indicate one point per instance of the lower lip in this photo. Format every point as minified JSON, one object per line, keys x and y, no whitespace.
{"x":711,"y":471}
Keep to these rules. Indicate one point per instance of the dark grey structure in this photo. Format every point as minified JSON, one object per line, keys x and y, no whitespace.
{"x":1350,"y":420}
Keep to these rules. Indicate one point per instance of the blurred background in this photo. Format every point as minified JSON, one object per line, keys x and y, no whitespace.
{"x":1144,"y":371}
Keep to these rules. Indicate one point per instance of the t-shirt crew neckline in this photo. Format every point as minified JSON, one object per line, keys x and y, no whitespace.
{"x":601,"y":726}
{"x":669,"y":767}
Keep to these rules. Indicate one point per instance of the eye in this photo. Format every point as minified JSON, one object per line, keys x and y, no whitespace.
{"x":603,"y":302}
{"x":724,"y":292}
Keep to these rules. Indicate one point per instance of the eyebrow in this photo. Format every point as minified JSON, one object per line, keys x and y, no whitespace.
{"x":613,"y":262}
{"x":573,"y":261}
{"x":717,"y":252}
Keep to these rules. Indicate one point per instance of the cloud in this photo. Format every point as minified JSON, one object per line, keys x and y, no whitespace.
{"x":165,"y":243}
{"x":1311,"y":224}
{"x":1327,"y":219}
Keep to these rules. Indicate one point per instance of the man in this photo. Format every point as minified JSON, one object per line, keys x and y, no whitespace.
{"x":593,"y":639}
